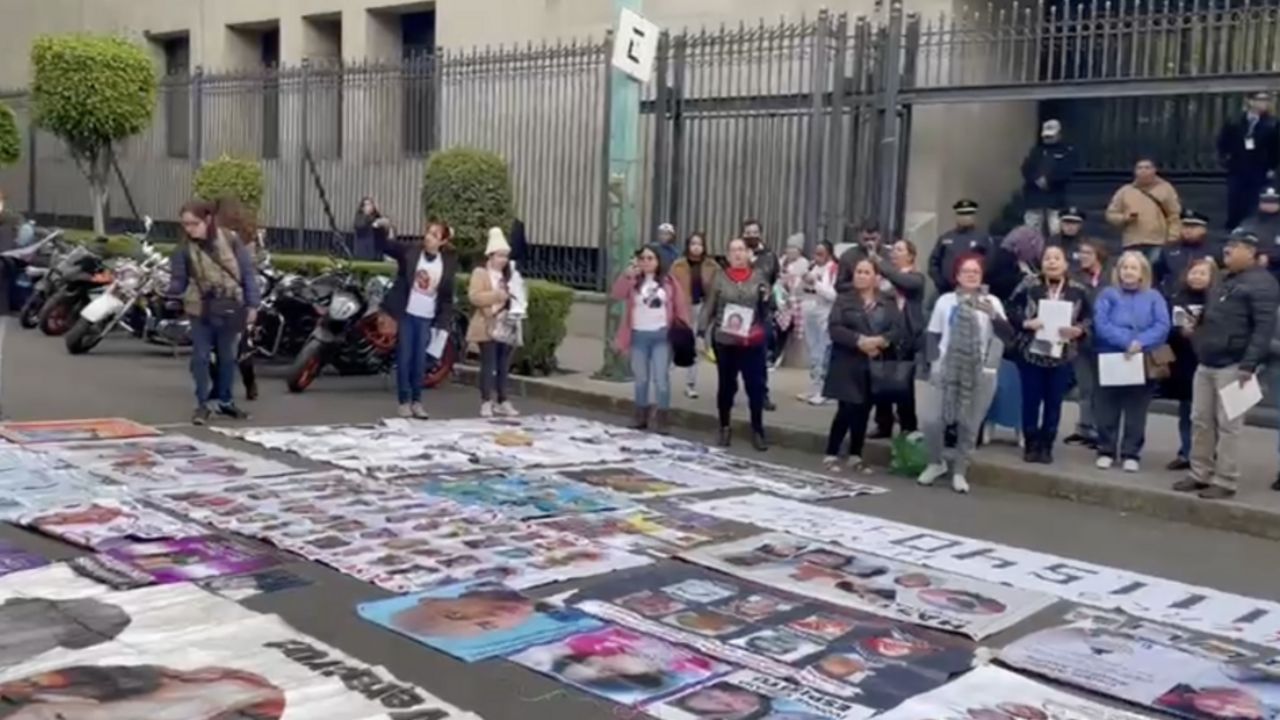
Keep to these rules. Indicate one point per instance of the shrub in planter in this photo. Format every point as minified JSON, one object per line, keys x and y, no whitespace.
{"x":544,"y":328}
{"x":469,"y":190}
{"x":239,"y":178}
{"x":10,"y":137}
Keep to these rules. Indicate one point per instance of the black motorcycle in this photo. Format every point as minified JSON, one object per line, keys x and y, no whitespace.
{"x":356,"y":338}
{"x":80,"y":276}
{"x":34,"y":263}
{"x":287,"y":315}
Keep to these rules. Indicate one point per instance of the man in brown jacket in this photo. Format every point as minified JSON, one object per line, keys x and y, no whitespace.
{"x":1147,"y":210}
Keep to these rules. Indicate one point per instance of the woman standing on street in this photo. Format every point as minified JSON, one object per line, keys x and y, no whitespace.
{"x":965,"y":336}
{"x":494,"y":325}
{"x":908,"y":286}
{"x":1187,"y":306}
{"x":1044,"y":364}
{"x":654,"y":304}
{"x":1091,"y":258}
{"x":865,"y":326}
{"x":817,"y":293}
{"x":214,"y":275}
{"x":1131,"y":318}
{"x":421,"y":302}
{"x":794,"y":266}
{"x":735,"y":311}
{"x":693,"y":272}
{"x":366,"y":246}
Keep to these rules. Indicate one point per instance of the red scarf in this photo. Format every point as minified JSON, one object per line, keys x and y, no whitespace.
{"x":738,"y":275}
{"x":756,"y":335}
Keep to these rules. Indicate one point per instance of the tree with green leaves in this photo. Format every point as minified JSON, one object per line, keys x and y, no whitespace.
{"x":232,"y":177}
{"x":10,"y":137}
{"x":92,"y":91}
{"x":470,"y":191}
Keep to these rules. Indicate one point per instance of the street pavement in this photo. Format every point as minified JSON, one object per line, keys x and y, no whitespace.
{"x":39,"y":380}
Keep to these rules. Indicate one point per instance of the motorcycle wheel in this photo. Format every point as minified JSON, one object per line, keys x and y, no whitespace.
{"x":443,"y":369}
{"x":30,"y":316}
{"x":56,"y":317}
{"x":83,"y":337}
{"x":306,"y":366}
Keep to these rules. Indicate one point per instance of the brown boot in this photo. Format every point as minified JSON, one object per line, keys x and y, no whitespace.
{"x":641,"y":421}
{"x":660,"y":421}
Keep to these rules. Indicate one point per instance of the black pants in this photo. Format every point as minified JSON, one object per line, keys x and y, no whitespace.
{"x":1242,"y":197}
{"x":750,"y":363}
{"x":1111,"y":404}
{"x":495,"y":362}
{"x":906,"y":414}
{"x":851,"y":419}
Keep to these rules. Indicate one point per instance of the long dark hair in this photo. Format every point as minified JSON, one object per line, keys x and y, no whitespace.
{"x":204,"y":210}
{"x":660,"y":274}
{"x":689,"y":243}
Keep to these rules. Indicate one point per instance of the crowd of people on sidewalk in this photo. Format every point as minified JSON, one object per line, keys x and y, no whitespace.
{"x":1015,"y":324}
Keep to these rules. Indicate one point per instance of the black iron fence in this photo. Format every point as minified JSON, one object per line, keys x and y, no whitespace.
{"x":804,"y":125}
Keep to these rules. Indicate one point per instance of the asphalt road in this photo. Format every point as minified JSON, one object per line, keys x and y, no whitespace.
{"x":39,"y":380}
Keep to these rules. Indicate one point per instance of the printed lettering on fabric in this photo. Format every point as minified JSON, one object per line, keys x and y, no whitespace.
{"x":1202,"y":609}
{"x":875,"y":584}
{"x":747,"y":694}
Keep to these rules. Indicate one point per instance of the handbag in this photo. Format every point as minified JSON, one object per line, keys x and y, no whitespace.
{"x":220,"y":310}
{"x":1159,"y":363}
{"x":506,"y":330}
{"x":892,"y":380}
{"x":684,"y":351}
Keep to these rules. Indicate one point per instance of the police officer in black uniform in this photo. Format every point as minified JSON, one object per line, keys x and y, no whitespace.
{"x":1194,"y":243}
{"x":1070,"y":234}
{"x":1265,"y":225}
{"x":1249,"y":148}
{"x":963,"y":239}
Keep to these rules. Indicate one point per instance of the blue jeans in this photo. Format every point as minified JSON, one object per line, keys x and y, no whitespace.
{"x":1042,"y":387}
{"x":1184,"y":429}
{"x":651,"y":364}
{"x":412,"y":339}
{"x":818,"y":340}
{"x":205,"y":340}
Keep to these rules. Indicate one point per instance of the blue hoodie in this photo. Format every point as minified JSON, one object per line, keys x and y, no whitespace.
{"x":1121,"y":316}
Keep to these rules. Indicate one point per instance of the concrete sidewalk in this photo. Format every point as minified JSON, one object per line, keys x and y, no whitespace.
{"x":1255,"y":511}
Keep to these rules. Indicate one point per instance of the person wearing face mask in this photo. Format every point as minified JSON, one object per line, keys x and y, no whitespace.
{"x":1186,"y":303}
{"x":1193,"y":245}
{"x":1249,"y":149}
{"x":1044,"y":359}
{"x":421,"y":302}
{"x":817,"y":294}
{"x":693,"y":272}
{"x":865,"y":325}
{"x":1091,"y":274}
{"x":654,"y":302}
{"x":965,"y":338}
{"x":495,"y":293}
{"x":1232,"y":343}
{"x":1265,"y":225}
{"x":964,"y":239}
{"x":1147,"y":210}
{"x":734,"y":315}
{"x":1131,"y":318}
{"x":215,"y":277}
{"x":907,"y":289}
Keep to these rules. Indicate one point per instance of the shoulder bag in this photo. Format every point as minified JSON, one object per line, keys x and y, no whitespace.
{"x":220,"y":310}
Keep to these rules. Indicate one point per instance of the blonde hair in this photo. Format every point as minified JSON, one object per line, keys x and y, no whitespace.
{"x":1145,"y":266}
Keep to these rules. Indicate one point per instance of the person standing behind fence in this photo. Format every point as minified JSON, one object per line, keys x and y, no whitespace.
{"x":1131,"y":318}
{"x":1232,"y":341}
{"x":1249,"y":149}
{"x":1193,"y":245}
{"x":215,"y":277}
{"x":654,"y":304}
{"x":1265,"y":224}
{"x":792,"y":268}
{"x":817,"y":293}
{"x":964,"y":239}
{"x":1186,"y":303}
{"x":866,"y":327}
{"x":421,"y":302}
{"x":964,"y":339}
{"x":1044,"y":364}
{"x":668,"y":251}
{"x":734,"y":315}
{"x":494,"y":325}
{"x":1147,"y":210}
{"x":1091,"y":274}
{"x":907,"y":288}
{"x":693,"y":272}
{"x":366,"y":243}
{"x":1046,"y":172}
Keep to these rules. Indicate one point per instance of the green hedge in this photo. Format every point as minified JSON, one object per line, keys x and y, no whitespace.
{"x":544,"y":330}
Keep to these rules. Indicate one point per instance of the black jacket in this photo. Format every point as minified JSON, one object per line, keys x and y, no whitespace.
{"x":1055,"y":162}
{"x":849,"y":371}
{"x":1255,"y":163}
{"x":1267,"y":228}
{"x":1024,"y":305}
{"x":911,"y":285}
{"x":1178,"y":385}
{"x":951,"y":246}
{"x":1238,"y":321}
{"x":1172,"y":264}
{"x":1004,"y":274}
{"x":407,"y":256}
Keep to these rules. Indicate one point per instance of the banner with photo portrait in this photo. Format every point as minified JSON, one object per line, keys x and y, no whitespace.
{"x":525,"y":495}
{"x":104,"y":521}
{"x":32,"y":481}
{"x":870,"y":662}
{"x":874,"y":584}
{"x":164,"y":462}
{"x":662,"y":527}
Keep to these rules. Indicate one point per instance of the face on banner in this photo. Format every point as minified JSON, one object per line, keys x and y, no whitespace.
{"x":525,"y":495}
{"x":164,"y":461}
{"x":746,"y":695}
{"x":102,"y":521}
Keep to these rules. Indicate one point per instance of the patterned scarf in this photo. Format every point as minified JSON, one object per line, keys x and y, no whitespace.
{"x":962,"y":365}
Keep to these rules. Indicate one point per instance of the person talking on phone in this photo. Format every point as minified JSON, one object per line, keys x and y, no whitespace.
{"x":1147,"y":211}
{"x":1186,"y":305}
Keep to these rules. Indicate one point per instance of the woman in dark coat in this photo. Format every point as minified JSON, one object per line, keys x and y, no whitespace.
{"x":365,"y":230}
{"x":1186,"y":306}
{"x":866,"y":326}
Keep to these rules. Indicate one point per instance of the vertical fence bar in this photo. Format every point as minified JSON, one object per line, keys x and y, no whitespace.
{"x":889,"y":157}
{"x":606,"y":115}
{"x":836,"y":148}
{"x":658,"y":213}
{"x":676,"y":177}
{"x":300,"y":233}
{"x":196,"y":124}
{"x":32,"y":165}
{"x":818,"y":74}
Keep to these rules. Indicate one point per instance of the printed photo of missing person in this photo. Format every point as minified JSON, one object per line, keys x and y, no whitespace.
{"x":30,"y":627}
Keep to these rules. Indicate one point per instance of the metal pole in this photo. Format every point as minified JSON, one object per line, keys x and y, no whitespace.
{"x":195,"y":145}
{"x":890,"y":127}
{"x":31,"y":161}
{"x":818,"y":89}
{"x":658,"y":212}
{"x":675,"y":174}
{"x":303,"y":122}
{"x":623,"y":193}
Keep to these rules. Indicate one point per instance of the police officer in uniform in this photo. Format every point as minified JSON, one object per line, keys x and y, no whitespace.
{"x":1265,"y":225}
{"x":963,"y":239}
{"x":1249,"y":148}
{"x":1070,"y":234}
{"x":1194,"y":243}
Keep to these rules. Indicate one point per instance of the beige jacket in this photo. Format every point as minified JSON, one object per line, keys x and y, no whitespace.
{"x":1147,"y":218}
{"x":484,"y":298}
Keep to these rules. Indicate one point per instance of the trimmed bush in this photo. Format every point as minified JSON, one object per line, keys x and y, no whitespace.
{"x":239,"y":178}
{"x":10,"y":137}
{"x":470,"y":190}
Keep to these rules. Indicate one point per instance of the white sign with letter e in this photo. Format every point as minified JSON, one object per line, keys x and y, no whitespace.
{"x":635,"y":46}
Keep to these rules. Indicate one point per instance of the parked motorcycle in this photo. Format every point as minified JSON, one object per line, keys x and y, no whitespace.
{"x":356,"y":338}
{"x":124,"y":304}
{"x":286,"y":316}
{"x":32,"y":263}
{"x":78,"y":278}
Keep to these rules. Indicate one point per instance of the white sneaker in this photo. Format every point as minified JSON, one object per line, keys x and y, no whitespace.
{"x":959,"y":484}
{"x":804,"y":397}
{"x":419,"y":412}
{"x":831,"y":464}
{"x":486,"y":409}
{"x":691,"y":392}
{"x":404,"y":411}
{"x":1105,"y":462}
{"x":931,"y":474}
{"x":506,"y":409}
{"x":1131,"y":466}
{"x":818,"y":400}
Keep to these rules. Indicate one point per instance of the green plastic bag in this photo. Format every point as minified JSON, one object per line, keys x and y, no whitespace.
{"x":908,"y":458}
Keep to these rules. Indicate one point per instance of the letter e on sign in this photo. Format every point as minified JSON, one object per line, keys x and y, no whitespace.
{"x":635,"y":46}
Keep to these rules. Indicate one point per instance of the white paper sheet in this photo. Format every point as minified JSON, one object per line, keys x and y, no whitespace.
{"x":1115,"y":369}
{"x":1237,"y":399}
{"x":1055,"y":314}
{"x":438,"y":338}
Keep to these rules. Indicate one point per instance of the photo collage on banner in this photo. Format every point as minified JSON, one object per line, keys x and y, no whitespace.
{"x":869,"y":661}
{"x":523,"y":496}
{"x":99,"y":523}
{"x":662,"y":527}
{"x":861,"y":581}
{"x":1160,"y":600}
{"x":45,"y":431}
{"x":169,"y":561}
{"x":747,"y":694}
{"x":163,"y":462}
{"x":264,"y":582}
{"x":31,"y":481}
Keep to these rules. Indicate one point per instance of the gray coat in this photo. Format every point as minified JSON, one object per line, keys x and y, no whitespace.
{"x":755,"y":293}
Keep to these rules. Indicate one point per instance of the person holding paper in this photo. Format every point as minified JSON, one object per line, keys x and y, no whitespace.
{"x":734,"y":313}
{"x":1091,"y":273}
{"x":494,"y":293}
{"x":1130,"y":319}
{"x":1233,"y":342}
{"x":1187,"y":307}
{"x":654,"y":304}
{"x":1052,"y":313}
